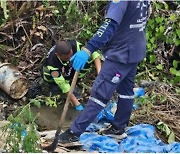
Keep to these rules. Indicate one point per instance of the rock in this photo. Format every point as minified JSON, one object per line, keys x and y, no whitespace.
{"x":68,"y":145}
{"x":47,"y":135}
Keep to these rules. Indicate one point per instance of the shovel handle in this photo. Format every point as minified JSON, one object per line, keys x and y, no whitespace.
{"x":66,"y":105}
{"x":53,"y":146}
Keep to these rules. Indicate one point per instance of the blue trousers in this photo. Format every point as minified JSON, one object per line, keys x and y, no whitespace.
{"x":102,"y":91}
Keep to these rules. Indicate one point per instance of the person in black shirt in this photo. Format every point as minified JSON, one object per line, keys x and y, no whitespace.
{"x":58,"y":70}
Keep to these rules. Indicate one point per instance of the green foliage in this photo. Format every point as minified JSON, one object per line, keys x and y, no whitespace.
{"x":167,"y":131}
{"x":46,"y":3}
{"x":162,"y":33}
{"x":4,"y":16}
{"x":148,"y":103}
{"x":22,"y":132}
{"x":81,"y":18}
{"x":173,"y":70}
{"x":49,"y":101}
{"x":4,"y":7}
{"x":152,"y":99}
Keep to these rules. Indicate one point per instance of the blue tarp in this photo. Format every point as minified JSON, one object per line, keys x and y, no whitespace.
{"x":107,"y":114}
{"x":140,"y":138}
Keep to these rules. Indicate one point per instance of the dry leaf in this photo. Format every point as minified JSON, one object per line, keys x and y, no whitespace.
{"x":43,"y":28}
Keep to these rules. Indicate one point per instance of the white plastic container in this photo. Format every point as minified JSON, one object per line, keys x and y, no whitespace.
{"x":12,"y":81}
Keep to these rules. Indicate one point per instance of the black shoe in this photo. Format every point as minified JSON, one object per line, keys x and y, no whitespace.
{"x":67,"y":137}
{"x":114,"y":133}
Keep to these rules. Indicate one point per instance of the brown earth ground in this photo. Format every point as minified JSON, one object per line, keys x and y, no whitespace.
{"x":48,"y":117}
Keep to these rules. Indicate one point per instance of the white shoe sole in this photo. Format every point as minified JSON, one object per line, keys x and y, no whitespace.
{"x":118,"y":137}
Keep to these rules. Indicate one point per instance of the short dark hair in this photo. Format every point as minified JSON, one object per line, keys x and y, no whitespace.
{"x":63,"y":47}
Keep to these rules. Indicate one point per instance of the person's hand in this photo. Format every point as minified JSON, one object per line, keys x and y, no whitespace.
{"x":79,"y":107}
{"x":79,"y":60}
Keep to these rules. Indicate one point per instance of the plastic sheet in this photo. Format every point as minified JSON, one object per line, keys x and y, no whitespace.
{"x":108,"y":115}
{"x":138,"y":92}
{"x":93,"y":127}
{"x":140,"y":138}
{"x":95,"y":142}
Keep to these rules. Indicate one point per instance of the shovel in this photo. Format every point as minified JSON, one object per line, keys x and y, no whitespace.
{"x":53,"y":145}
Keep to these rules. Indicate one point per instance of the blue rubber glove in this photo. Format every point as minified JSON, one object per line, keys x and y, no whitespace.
{"x":79,"y":107}
{"x":138,"y":92}
{"x":79,"y":60}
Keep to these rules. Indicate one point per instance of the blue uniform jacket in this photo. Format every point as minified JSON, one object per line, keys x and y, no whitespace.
{"x":128,"y":43}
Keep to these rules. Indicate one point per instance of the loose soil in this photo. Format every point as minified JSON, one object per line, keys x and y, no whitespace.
{"x":48,"y":117}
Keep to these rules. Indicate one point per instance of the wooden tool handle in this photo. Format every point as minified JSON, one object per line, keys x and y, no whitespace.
{"x":53,"y":146}
{"x":66,"y":105}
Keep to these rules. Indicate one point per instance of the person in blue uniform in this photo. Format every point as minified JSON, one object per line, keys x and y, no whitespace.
{"x":121,"y":38}
{"x":58,"y":70}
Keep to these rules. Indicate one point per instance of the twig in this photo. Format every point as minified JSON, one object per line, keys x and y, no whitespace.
{"x":83,"y":7}
{"x":25,"y":31}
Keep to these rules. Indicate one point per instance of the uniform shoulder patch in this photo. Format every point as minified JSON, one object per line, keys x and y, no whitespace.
{"x":55,"y":74}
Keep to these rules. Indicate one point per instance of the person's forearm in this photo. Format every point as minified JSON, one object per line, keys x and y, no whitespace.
{"x":74,"y":100}
{"x":97,"y":63}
